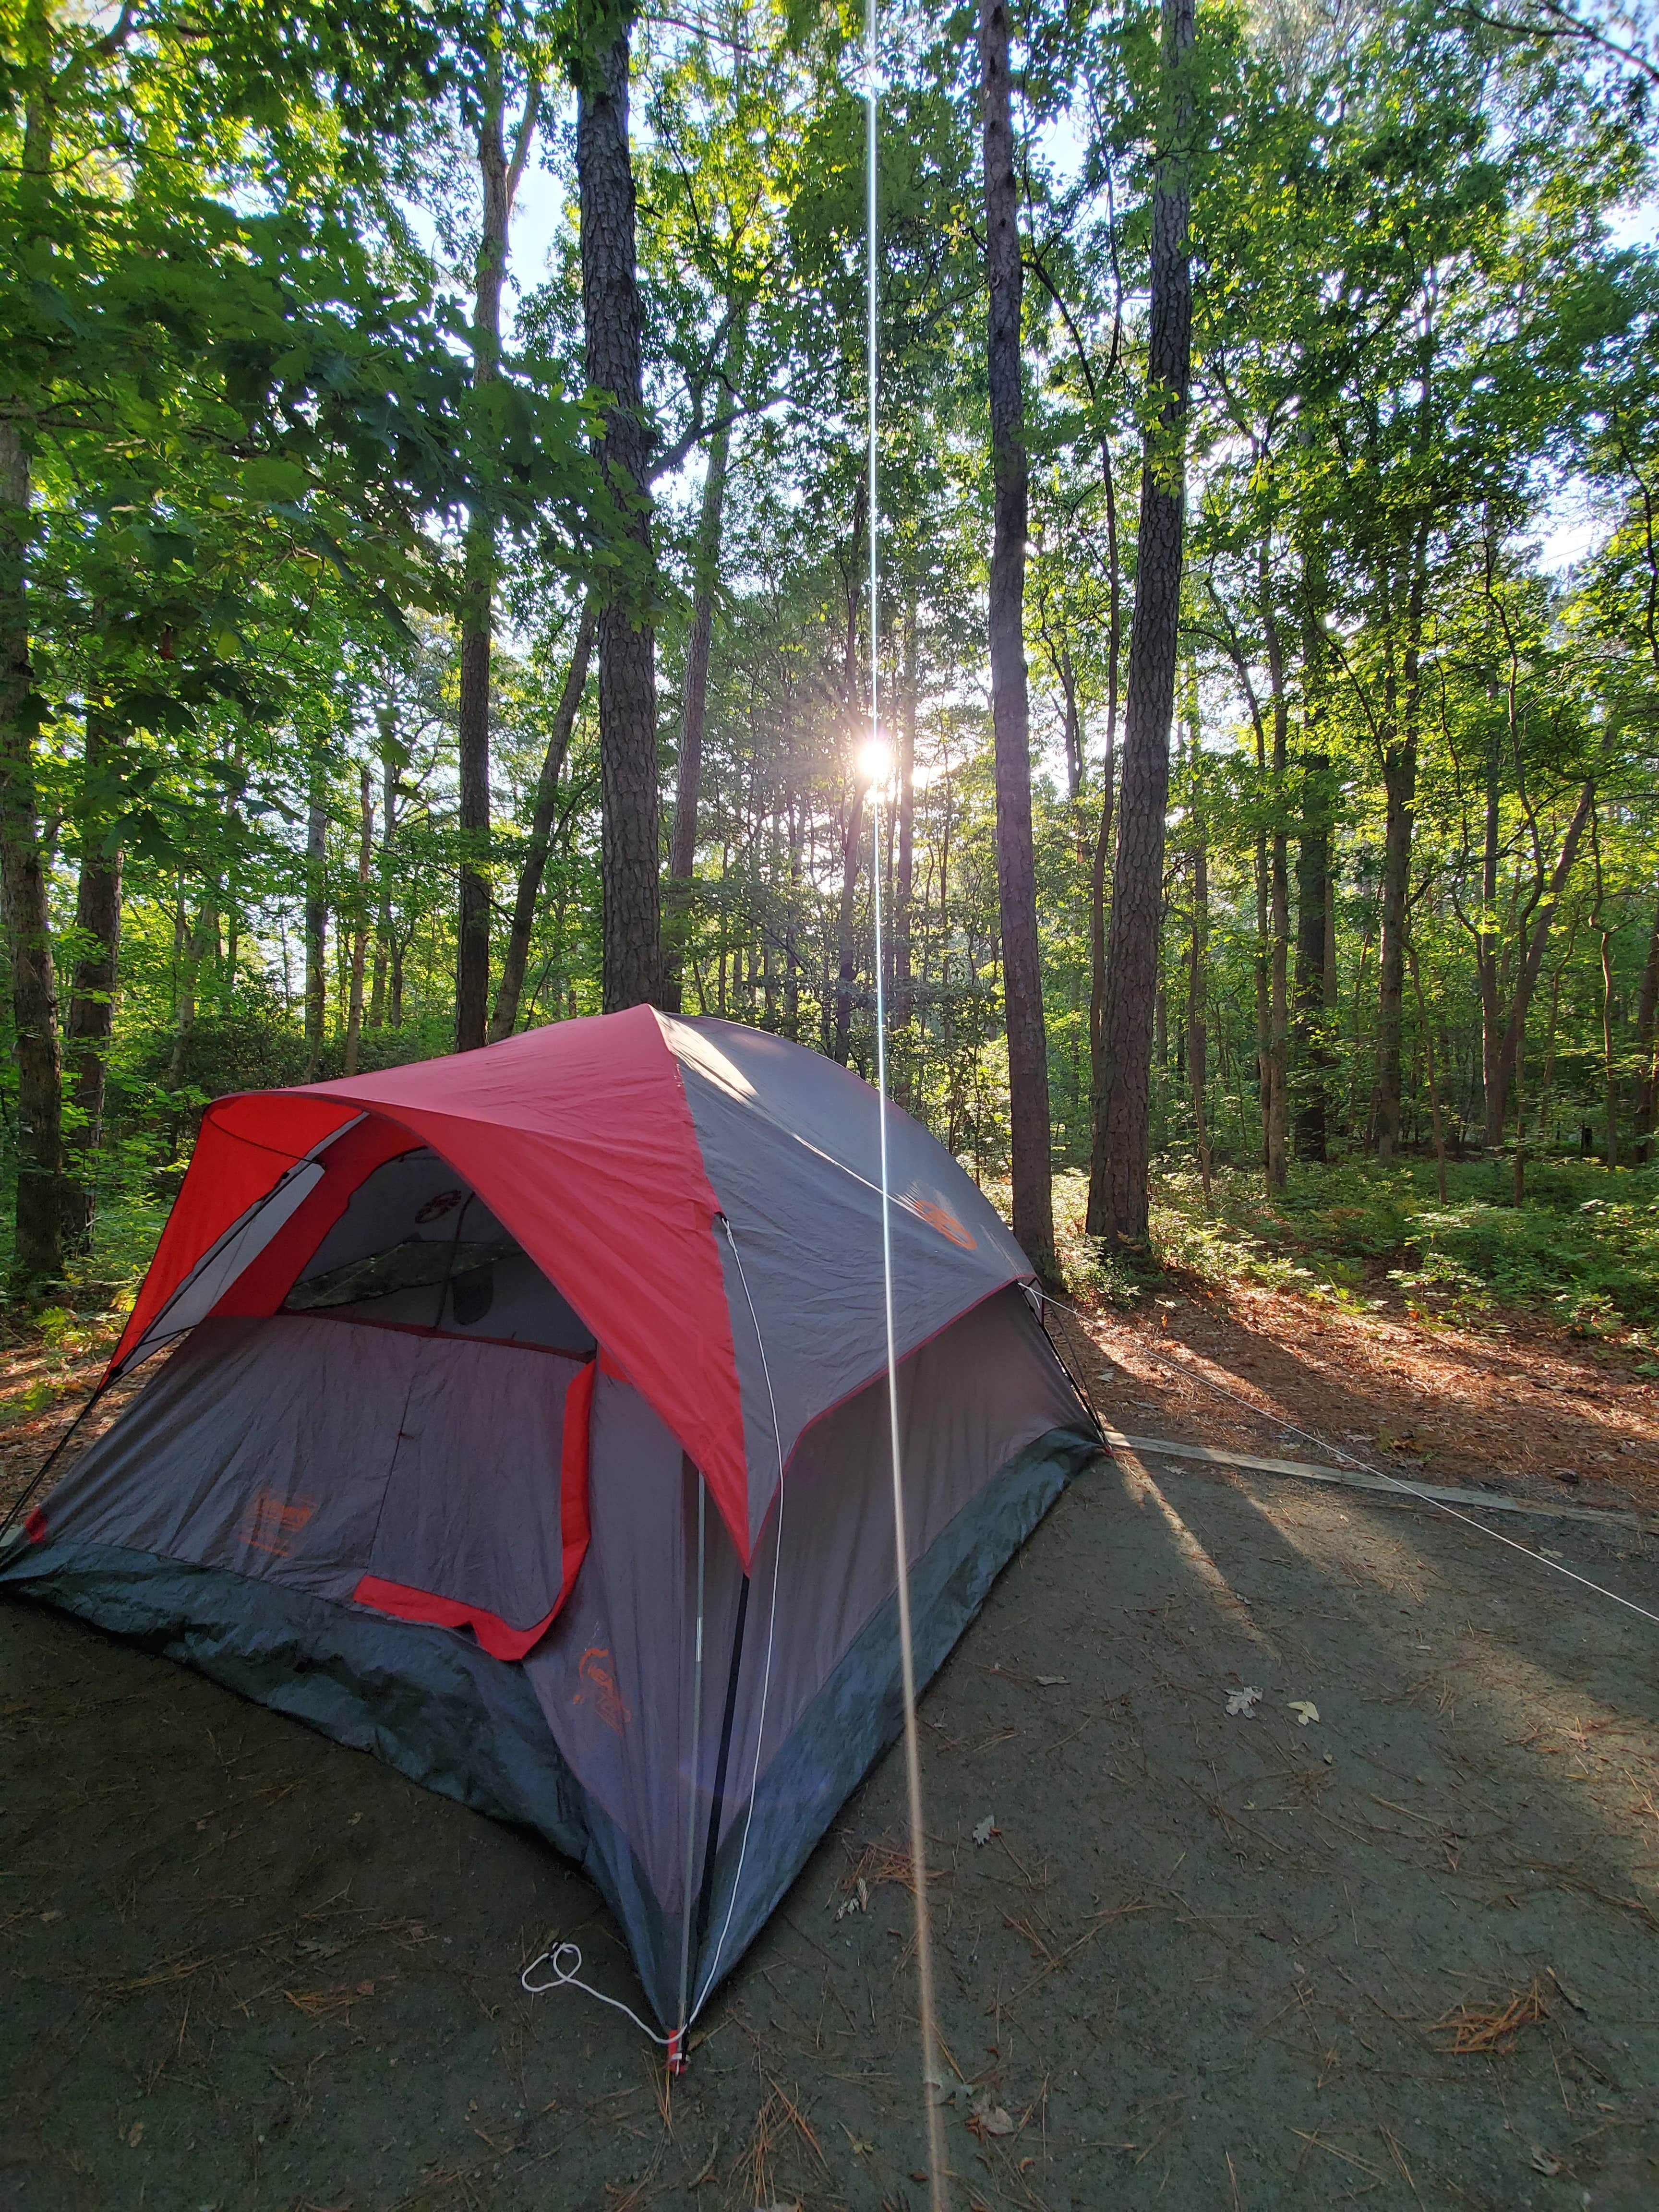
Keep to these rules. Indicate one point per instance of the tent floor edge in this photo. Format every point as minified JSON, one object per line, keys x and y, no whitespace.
{"x":424,"y":1701}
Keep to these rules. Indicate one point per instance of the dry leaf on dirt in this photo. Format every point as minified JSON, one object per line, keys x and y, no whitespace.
{"x":985,"y":1829}
{"x":989,"y":2119}
{"x":1305,"y":1710}
{"x":135,"y":2135}
{"x":1051,"y":1682}
{"x":1244,"y":1702}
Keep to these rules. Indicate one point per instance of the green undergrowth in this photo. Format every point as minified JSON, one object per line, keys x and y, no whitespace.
{"x":1584,"y":1251}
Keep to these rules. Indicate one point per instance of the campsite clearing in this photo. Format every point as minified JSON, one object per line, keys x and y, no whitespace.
{"x":1405,"y":1953}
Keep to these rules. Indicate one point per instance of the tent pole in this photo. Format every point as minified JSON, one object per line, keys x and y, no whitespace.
{"x":706,"y":1900}
{"x":676,"y":2041}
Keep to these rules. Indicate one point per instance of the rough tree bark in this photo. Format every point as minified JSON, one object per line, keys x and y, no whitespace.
{"x":1647,"y":1038}
{"x":853,"y":829}
{"x":1022,"y":968}
{"x":316,"y":915}
{"x":499,"y":178}
{"x":516,"y":956}
{"x":694,"y":703}
{"x":360,"y":920}
{"x":1400,"y":757}
{"x":630,"y":855}
{"x":904,"y":841}
{"x":1198,"y":1040}
{"x":38,"y":1253}
{"x":1276,"y":1116}
{"x":92,"y":1001}
{"x":1138,"y":875}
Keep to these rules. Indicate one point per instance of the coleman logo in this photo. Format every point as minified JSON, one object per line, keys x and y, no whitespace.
{"x":938,"y":1217}
{"x":272,"y":1523}
{"x":600,"y":1690}
{"x":442,"y":1202}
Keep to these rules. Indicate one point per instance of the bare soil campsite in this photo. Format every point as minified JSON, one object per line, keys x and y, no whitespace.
{"x":1320,"y":1864}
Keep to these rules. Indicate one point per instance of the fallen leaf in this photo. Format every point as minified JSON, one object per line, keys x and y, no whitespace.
{"x":1244,"y":1702}
{"x":989,"y":2119}
{"x":47,"y":1918}
{"x":1051,"y":1682}
{"x":985,"y":1829}
{"x":1305,"y":1710}
{"x":135,"y":2135}
{"x":1545,"y":2162}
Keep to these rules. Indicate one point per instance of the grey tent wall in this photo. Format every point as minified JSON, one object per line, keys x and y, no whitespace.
{"x":992,"y":1435}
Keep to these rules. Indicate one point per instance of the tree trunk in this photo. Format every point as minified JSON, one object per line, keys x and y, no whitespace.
{"x":542,"y":813}
{"x":1276,"y":1130}
{"x":1100,"y":874}
{"x":316,"y":915}
{"x":1198,"y":974}
{"x":1501,"y":1071}
{"x":360,"y":920}
{"x":92,"y":1003}
{"x":905,"y":829}
{"x":499,"y":178}
{"x":1647,"y":1047}
{"x":38,"y":1253}
{"x":1021,"y":966}
{"x":1399,"y":780}
{"x":1313,"y":896}
{"x":694,"y":703}
{"x":630,"y":856}
{"x":1131,"y":960}
{"x":384,"y":926}
{"x":845,"y":934}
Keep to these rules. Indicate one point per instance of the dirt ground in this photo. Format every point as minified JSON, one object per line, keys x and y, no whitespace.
{"x":1404,"y":1951}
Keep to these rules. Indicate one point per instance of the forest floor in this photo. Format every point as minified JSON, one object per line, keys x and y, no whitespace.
{"x":1402,"y":1952}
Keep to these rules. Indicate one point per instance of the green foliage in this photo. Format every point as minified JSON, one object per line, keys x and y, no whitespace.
{"x":1584,"y":1251}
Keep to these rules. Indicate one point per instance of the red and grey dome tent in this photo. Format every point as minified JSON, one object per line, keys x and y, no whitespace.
{"x":498,"y":1377}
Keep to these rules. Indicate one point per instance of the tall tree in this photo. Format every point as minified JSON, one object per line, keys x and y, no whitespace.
{"x":499,"y":174}
{"x":630,"y":858}
{"x":1022,"y":967}
{"x":1131,"y":956}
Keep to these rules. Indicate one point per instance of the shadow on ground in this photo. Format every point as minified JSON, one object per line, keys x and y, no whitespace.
{"x":1404,"y":1952}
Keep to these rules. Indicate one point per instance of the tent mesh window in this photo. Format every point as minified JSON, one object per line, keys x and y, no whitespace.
{"x":416,"y":1248}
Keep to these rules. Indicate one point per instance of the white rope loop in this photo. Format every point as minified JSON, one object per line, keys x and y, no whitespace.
{"x":568,"y":1976}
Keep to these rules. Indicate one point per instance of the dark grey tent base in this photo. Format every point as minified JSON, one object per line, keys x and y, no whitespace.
{"x":430,"y":1704}
{"x":860,"y":1711}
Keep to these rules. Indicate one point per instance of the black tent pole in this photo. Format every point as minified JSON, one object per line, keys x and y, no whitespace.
{"x":706,"y":1899}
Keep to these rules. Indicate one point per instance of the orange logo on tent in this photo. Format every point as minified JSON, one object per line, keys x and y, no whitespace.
{"x":938,"y":1217}
{"x":595,"y":1670}
{"x":272,"y":1522}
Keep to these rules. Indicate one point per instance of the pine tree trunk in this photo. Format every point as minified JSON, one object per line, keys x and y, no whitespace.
{"x":1198,"y":1040}
{"x":1021,"y":966}
{"x":630,"y":854}
{"x":1279,"y":903}
{"x":846,"y":931}
{"x":694,"y":703}
{"x":1400,"y":783}
{"x":499,"y":178}
{"x":38,"y":1253}
{"x":360,"y":923}
{"x":316,"y":916}
{"x":1647,"y":1047}
{"x":92,"y":1002}
{"x":1132,"y":959}
{"x":904,"y":844}
{"x":1313,"y":892}
{"x":544,"y":811}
